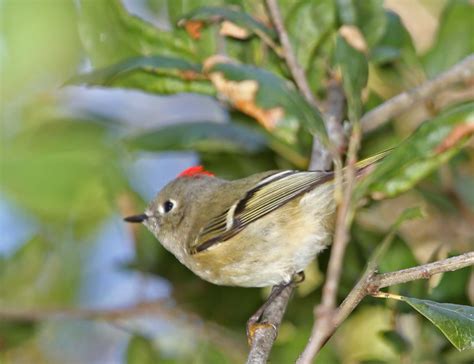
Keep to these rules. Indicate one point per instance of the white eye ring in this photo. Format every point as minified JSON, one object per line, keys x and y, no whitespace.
{"x":167,"y":206}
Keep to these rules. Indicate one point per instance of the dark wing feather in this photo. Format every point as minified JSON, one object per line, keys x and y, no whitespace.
{"x":268,"y":195}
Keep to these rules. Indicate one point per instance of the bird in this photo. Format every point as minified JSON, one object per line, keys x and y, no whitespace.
{"x":259,"y":231}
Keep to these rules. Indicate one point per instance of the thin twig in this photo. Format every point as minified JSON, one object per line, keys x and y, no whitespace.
{"x":422,"y":272}
{"x":370,"y":283}
{"x":288,"y":53}
{"x":321,"y":157}
{"x":265,"y":336}
{"x":461,"y":72}
{"x":160,"y":308}
{"x":324,"y":334}
{"x":324,"y":313}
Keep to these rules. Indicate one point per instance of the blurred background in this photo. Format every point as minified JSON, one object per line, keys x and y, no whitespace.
{"x":78,"y":285}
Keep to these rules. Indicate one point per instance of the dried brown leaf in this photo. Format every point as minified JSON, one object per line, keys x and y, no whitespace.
{"x":230,"y":29}
{"x":193,"y":28}
{"x":354,"y":37}
{"x":242,"y":94}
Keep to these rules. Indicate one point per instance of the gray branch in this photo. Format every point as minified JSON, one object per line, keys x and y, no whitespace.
{"x":369,"y":284}
{"x":265,"y":335}
{"x":461,"y":72}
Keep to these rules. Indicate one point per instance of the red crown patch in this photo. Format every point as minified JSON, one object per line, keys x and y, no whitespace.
{"x":195,"y":171}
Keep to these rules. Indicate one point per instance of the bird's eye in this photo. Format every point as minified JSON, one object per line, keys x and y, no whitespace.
{"x":168,"y":206}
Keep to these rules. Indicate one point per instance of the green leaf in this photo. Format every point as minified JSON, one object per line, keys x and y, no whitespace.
{"x":161,"y":74}
{"x":456,"y":20}
{"x":308,"y":24}
{"x":59,"y":169}
{"x":367,"y":15}
{"x":355,"y":72}
{"x":177,"y":8}
{"x":395,"y":40}
{"x":213,"y":14}
{"x":453,"y":287}
{"x":141,"y":351}
{"x":347,"y":12}
{"x":371,"y":20}
{"x":110,"y":34}
{"x":396,"y":63}
{"x":269,"y":99}
{"x":40,"y":46}
{"x":201,"y":137}
{"x":397,"y":341}
{"x":233,"y":165}
{"x":416,"y":157}
{"x":40,"y":273}
{"x":456,"y":322}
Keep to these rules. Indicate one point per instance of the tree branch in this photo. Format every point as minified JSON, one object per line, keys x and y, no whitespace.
{"x":265,"y":336}
{"x":321,"y":156}
{"x":162,"y":308}
{"x":324,"y":313}
{"x":424,"y":271}
{"x":461,"y":72}
{"x":321,"y":159}
{"x":370,"y":283}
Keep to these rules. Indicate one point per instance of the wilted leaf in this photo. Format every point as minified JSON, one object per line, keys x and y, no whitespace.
{"x":456,"y":23}
{"x":417,"y":156}
{"x":141,"y":351}
{"x":266,"y":97}
{"x":110,"y":34}
{"x":354,"y":70}
{"x":353,"y":37}
{"x":161,"y":74}
{"x":201,"y":137}
{"x":455,"y":321}
{"x":234,"y":23}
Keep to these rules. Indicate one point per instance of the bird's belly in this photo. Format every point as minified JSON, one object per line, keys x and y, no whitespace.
{"x":270,"y":250}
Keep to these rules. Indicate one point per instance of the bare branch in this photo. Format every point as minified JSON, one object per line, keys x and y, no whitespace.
{"x":160,"y":308}
{"x":421,"y":272}
{"x":265,"y":335}
{"x":333,"y":117}
{"x":461,"y":72}
{"x":370,"y":283}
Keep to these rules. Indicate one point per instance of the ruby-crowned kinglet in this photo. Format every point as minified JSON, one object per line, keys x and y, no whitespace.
{"x":253,"y":232}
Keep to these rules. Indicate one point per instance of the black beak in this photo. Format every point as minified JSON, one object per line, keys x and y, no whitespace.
{"x":136,"y":218}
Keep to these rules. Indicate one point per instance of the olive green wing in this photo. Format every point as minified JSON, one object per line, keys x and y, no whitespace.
{"x":268,"y":195}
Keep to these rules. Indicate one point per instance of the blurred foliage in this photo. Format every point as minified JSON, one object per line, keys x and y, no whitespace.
{"x":66,"y":176}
